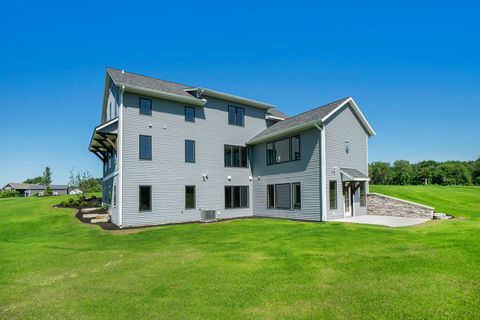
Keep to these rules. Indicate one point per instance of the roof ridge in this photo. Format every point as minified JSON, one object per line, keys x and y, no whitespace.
{"x":142,"y":75}
{"x":322,"y":106}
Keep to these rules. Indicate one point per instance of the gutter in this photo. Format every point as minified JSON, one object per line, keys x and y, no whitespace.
{"x":283,"y":132}
{"x":323,"y":171}
{"x":230,"y":97}
{"x":163,"y":95}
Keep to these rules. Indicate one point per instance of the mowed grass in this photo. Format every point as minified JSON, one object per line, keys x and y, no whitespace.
{"x":52,"y":266}
{"x":459,"y":201}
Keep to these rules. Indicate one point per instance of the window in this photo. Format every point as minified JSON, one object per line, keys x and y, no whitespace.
{"x":270,"y":196}
{"x":189,"y":151}
{"x":189,"y":197}
{"x":296,"y":197}
{"x":145,"y":106}
{"x":236,"y":116}
{"x":243,"y":157}
{"x":283,"y":196}
{"x":284,"y":150}
{"x":190,"y":114}
{"x":145,"y":198}
{"x":236,"y":197}
{"x":270,"y":154}
{"x":228,"y":155}
{"x":145,"y":147}
{"x":333,"y":194}
{"x":114,"y":195}
{"x":235,"y":156}
{"x":363,"y":194}
{"x":295,"y":148}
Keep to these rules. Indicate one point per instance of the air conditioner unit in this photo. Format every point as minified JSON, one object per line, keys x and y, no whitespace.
{"x":208,"y":215}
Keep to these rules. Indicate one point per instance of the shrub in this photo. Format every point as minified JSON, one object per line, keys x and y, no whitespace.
{"x":71,"y":200}
{"x":75,"y":203}
{"x":94,"y":197}
{"x":63,"y":203}
{"x":84,"y":204}
{"x":8,"y":194}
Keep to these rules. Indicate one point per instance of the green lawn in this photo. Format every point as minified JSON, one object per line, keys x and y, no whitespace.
{"x":458,"y":201}
{"x":52,"y":266}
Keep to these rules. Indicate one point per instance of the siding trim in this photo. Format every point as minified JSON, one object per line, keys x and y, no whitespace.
{"x":120,"y":160}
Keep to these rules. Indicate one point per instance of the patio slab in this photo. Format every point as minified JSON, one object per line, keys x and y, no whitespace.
{"x":387,"y":221}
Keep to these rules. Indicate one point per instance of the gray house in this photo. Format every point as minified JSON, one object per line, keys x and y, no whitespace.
{"x":174,"y":153}
{"x":27,"y":189}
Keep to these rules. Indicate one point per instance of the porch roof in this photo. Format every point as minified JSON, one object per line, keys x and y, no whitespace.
{"x":104,"y":138}
{"x":350,"y":174}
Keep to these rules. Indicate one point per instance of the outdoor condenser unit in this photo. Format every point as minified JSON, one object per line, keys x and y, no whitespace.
{"x":208,"y":215}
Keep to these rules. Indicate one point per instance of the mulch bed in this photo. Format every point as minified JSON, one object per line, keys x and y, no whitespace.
{"x":103,"y":225}
{"x":92,"y":203}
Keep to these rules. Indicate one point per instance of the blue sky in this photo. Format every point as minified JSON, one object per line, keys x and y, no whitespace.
{"x":413,"y":67}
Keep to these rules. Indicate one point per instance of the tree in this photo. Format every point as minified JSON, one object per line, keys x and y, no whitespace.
{"x":47,"y":177}
{"x":36,"y":180}
{"x":47,"y":180}
{"x":422,"y":172}
{"x":379,"y":172}
{"x":476,"y":172}
{"x":83,"y":181}
{"x":402,"y":172}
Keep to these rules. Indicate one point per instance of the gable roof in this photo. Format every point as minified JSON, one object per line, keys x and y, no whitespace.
{"x":140,"y":84}
{"x":133,"y":79}
{"x":353,"y":174}
{"x":30,"y":186}
{"x":308,"y":119}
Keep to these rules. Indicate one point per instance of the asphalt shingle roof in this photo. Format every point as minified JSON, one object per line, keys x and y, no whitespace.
{"x":277,"y":113}
{"x":26,"y":186}
{"x":133,"y":79}
{"x":354,"y":173}
{"x":303,"y":118}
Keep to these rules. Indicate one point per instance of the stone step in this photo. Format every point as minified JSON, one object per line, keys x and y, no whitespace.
{"x":94,"y":215}
{"x":90,"y":209}
{"x":441,"y":216}
{"x":97,"y":220}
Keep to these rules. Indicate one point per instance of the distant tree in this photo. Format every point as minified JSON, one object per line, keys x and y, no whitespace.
{"x":47,"y":177}
{"x":379,"y":172}
{"x":423,"y":171}
{"x":402,"y":172}
{"x":36,"y":180}
{"x":83,"y":181}
{"x":453,"y":173}
{"x":476,"y":172}
{"x":47,"y":180}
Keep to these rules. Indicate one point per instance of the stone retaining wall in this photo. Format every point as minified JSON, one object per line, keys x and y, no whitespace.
{"x":382,"y":205}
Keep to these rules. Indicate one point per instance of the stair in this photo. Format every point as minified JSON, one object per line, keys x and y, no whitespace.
{"x":97,"y":220}
{"x":441,"y":216}
{"x":90,"y":209}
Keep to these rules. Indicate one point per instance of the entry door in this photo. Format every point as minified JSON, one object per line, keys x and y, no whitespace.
{"x":348,"y":201}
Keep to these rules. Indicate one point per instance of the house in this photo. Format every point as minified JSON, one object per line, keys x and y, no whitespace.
{"x":174,"y":153}
{"x":27,"y":189}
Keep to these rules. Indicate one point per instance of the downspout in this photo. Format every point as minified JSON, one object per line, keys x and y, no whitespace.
{"x":120,"y":159}
{"x":323,"y":170}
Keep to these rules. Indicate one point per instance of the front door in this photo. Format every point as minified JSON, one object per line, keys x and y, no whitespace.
{"x":347,"y":194}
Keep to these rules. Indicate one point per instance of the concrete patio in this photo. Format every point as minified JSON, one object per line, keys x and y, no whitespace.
{"x":387,"y":221}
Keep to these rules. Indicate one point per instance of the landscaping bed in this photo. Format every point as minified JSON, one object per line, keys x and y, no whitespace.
{"x":73,"y":203}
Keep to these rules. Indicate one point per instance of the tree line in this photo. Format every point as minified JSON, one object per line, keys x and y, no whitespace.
{"x":402,"y":172}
